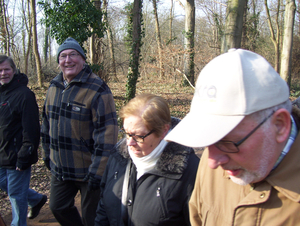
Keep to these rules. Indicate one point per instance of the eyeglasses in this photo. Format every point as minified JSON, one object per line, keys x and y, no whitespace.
{"x":71,"y":56}
{"x":232,"y":147}
{"x":136,"y":138}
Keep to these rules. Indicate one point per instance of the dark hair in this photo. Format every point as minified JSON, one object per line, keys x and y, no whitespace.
{"x":10,"y":61}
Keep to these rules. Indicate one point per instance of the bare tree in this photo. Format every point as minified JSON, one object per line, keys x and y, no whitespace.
{"x":233,"y":25}
{"x":250,"y":26}
{"x":28,"y":26}
{"x":158,"y":39}
{"x":215,"y":20}
{"x":171,"y":20}
{"x":189,"y":66}
{"x":286,"y":54}
{"x":110,"y":41}
{"x":180,"y":3}
{"x":93,"y":56}
{"x":35,"y":44}
{"x":274,"y":37}
{"x":136,"y":35}
{"x":6,"y":34}
{"x":46,"y":44}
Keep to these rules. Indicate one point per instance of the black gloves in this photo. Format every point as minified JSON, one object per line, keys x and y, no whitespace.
{"x":93,"y":184}
{"x":47,"y":163}
{"x":26,"y":157}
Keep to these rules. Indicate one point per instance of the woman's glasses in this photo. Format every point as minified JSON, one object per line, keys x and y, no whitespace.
{"x":136,"y":138}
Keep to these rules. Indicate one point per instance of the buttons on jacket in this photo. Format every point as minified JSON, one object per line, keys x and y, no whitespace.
{"x":158,"y":192}
{"x":262,"y":195}
{"x":129,"y":202}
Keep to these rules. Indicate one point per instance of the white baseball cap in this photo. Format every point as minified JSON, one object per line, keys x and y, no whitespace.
{"x":229,"y":87}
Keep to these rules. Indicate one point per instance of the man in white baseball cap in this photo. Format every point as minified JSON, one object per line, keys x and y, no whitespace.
{"x":241,"y":113}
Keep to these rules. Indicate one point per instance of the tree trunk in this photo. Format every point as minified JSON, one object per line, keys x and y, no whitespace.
{"x":158,"y":40}
{"x":29,"y":31}
{"x":171,"y":21}
{"x":189,"y":65}
{"x":253,"y":42}
{"x":93,"y":56}
{"x":35,"y":44}
{"x":275,"y":39}
{"x":286,"y":54}
{"x":233,"y":25}
{"x":244,"y":40}
{"x":46,"y":41}
{"x":23,"y":44}
{"x":133,"y":70}
{"x":46,"y":44}
{"x":5,"y":26}
{"x":298,"y":17}
{"x":110,"y":41}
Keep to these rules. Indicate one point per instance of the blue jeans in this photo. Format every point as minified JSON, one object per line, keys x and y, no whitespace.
{"x":16,"y":185}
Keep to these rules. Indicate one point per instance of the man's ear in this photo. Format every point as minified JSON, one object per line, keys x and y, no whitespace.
{"x":282,"y":122}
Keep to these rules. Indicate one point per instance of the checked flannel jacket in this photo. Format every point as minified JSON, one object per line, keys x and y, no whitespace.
{"x":79,"y":126}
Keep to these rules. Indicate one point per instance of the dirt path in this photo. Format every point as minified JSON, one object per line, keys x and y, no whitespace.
{"x":45,"y":218}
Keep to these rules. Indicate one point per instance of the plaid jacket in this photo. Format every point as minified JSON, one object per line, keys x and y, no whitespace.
{"x":79,"y":126}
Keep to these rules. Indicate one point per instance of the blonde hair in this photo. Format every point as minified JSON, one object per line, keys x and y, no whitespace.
{"x":153,"y":110}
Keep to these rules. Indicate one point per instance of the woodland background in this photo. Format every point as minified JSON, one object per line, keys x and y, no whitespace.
{"x":177,"y":37}
{"x":169,"y":42}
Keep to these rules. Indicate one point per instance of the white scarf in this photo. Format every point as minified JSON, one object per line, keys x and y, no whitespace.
{"x":148,"y":162}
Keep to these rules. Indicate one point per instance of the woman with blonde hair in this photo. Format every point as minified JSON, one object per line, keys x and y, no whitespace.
{"x":147,"y":180}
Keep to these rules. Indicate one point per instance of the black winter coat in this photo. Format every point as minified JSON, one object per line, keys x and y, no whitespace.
{"x":19,"y":124}
{"x":159,"y":197}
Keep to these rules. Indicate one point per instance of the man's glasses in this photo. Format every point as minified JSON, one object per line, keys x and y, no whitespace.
{"x":136,"y":138}
{"x":72,"y":56}
{"x":232,"y":147}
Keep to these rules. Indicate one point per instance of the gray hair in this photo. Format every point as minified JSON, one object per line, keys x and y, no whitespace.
{"x":260,"y":115}
{"x":10,"y":61}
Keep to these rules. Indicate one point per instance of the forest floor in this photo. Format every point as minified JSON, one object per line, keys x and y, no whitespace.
{"x":178,"y":97}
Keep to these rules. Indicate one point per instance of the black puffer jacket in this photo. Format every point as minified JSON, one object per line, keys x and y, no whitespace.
{"x":159,"y":197}
{"x":19,"y":124}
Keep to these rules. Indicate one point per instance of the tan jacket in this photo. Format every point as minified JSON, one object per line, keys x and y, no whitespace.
{"x":217,"y":201}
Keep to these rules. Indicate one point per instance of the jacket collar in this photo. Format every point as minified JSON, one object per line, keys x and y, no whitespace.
{"x":172,"y":162}
{"x":82,"y":77}
{"x":19,"y":79}
{"x":286,"y":177}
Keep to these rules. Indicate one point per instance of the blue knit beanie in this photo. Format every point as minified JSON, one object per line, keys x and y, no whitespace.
{"x":70,"y":43}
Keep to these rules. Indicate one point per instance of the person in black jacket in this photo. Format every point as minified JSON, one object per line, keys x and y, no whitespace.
{"x":147,"y":180}
{"x":19,"y":140}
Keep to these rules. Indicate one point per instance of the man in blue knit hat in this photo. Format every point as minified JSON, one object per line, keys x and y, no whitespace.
{"x":79,"y":129}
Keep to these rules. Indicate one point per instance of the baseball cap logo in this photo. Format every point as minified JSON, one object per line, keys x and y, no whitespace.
{"x":207,"y":92}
